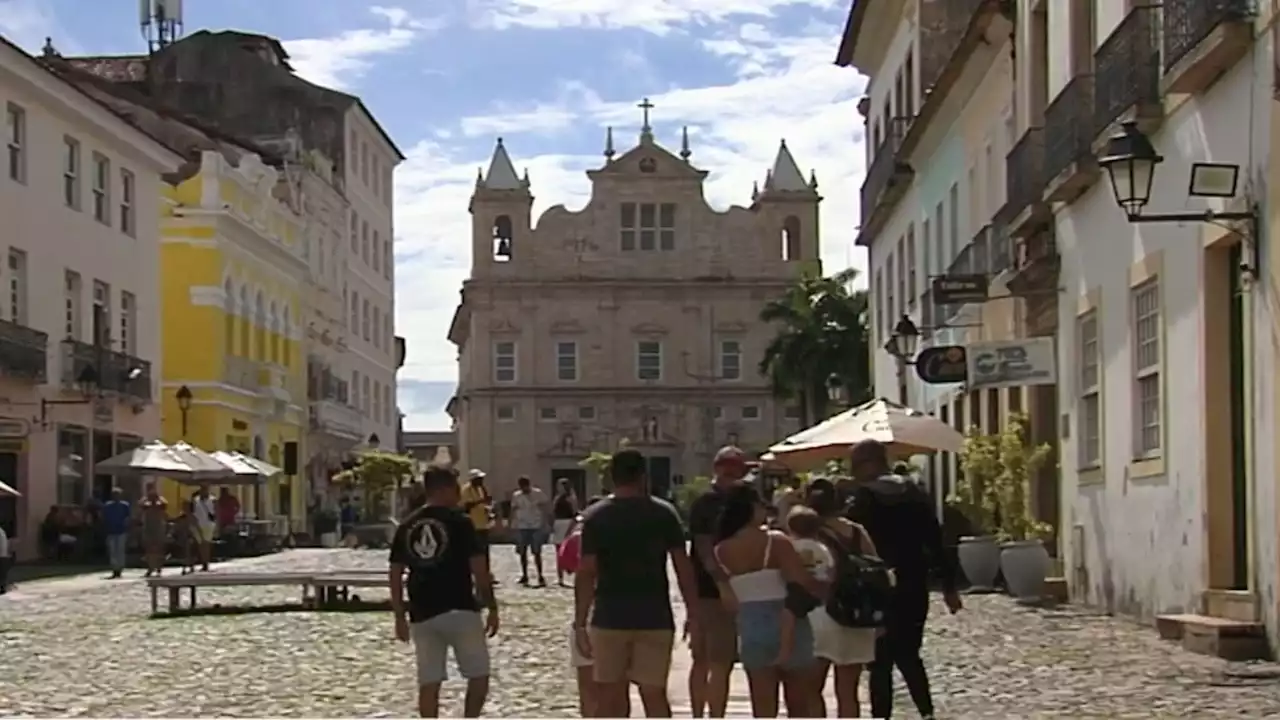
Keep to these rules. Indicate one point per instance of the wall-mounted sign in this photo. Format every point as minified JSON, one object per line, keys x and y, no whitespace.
{"x":1013,"y":363}
{"x":14,"y":428}
{"x":942,"y":365}
{"x":953,"y":289}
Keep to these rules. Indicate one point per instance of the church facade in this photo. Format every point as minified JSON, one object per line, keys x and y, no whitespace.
{"x":635,"y":318}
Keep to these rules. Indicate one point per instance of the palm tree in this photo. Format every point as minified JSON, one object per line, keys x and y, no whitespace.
{"x":822,"y":333}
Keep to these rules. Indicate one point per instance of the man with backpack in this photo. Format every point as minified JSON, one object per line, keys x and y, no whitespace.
{"x":899,"y":517}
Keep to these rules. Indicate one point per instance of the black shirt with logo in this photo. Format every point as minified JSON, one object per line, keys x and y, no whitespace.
{"x":704,"y":519}
{"x":631,"y":539}
{"x":436,"y":544}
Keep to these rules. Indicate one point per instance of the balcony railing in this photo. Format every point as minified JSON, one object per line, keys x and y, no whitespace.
{"x":1024,"y":173}
{"x":1067,"y":127}
{"x":885,"y":166}
{"x":336,"y":418}
{"x":93,"y":367}
{"x":1037,"y":263}
{"x":1127,"y":67}
{"x":943,"y":25}
{"x":1188,"y":22}
{"x":241,"y":372}
{"x":24,"y":352}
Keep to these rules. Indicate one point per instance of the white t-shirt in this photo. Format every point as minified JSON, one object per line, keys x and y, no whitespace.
{"x":527,"y":510}
{"x":205,"y":511}
{"x":816,"y":556}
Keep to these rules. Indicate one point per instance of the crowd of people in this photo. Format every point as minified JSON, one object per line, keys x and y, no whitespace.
{"x":814,"y":588}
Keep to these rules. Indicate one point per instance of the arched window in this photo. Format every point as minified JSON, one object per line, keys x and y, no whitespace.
{"x":791,"y":238}
{"x":260,"y":328}
{"x":275,"y":333}
{"x":502,"y":236}
{"x":246,"y":317}
{"x":228,"y":318}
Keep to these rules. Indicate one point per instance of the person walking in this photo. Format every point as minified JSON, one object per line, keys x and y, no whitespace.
{"x":4,"y":561}
{"x":899,"y":518}
{"x":448,"y":582}
{"x":774,"y":594}
{"x":529,"y":515}
{"x":155,"y":528}
{"x":847,"y":649}
{"x":116,"y":517}
{"x":714,"y":642}
{"x":205,"y":513}
{"x":621,"y":589}
{"x":477,"y":503}
{"x":564,"y":508}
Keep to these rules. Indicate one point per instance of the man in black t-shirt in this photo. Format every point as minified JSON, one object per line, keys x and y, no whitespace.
{"x":448,"y":583}
{"x":626,"y":540}
{"x":714,"y":643}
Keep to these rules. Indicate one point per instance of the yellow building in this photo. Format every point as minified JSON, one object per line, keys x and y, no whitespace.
{"x":232,"y":280}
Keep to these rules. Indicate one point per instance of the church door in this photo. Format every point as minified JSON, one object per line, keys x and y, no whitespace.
{"x":660,"y":476}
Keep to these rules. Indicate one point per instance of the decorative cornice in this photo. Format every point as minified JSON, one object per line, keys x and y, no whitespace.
{"x":502,"y":326}
{"x":567,"y":327}
{"x":648,"y":329}
{"x":731,"y":326}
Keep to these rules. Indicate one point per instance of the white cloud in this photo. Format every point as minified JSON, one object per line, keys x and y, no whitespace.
{"x":656,"y":16}
{"x":786,"y":87}
{"x":339,"y":61}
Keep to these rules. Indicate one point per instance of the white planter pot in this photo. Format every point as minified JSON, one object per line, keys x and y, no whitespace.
{"x":1025,"y":564}
{"x":980,"y":561}
{"x":329,"y":539}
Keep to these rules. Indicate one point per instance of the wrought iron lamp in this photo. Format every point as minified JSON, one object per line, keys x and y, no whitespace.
{"x":183,"y":396}
{"x":905,"y":339}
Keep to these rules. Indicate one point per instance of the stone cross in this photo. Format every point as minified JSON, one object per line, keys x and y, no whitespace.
{"x":646,"y":106}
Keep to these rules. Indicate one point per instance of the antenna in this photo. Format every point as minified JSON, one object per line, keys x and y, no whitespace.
{"x":161,"y":22}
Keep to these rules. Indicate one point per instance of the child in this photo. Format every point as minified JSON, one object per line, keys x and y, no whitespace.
{"x":803,"y":525}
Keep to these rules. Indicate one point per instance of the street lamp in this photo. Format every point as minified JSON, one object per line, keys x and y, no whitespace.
{"x":1130,"y":161}
{"x":374,"y":440}
{"x":902,"y":346}
{"x":183,"y":396}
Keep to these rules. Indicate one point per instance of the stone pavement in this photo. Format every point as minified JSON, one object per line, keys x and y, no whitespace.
{"x":85,"y":647}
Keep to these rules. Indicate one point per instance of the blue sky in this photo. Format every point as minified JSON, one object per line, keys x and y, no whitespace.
{"x":447,"y":77}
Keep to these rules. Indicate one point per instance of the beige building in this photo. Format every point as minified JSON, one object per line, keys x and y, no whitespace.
{"x":636,"y":317}
{"x":80,"y":312}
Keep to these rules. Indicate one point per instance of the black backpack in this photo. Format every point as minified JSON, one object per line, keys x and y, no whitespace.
{"x":862,"y":586}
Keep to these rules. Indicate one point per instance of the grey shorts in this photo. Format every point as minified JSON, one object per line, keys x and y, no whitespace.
{"x":527,"y":540}
{"x":462,"y":630}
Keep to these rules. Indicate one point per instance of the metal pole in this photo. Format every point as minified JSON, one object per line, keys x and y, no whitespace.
{"x":902,"y":381}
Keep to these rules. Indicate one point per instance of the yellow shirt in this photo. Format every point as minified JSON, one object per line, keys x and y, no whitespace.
{"x":479,"y":514}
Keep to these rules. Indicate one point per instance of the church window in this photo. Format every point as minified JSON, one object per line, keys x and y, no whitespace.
{"x":648,"y":226}
{"x":504,"y":361}
{"x":730,"y":360}
{"x":791,"y":238}
{"x":649,"y":360}
{"x":502,"y":238}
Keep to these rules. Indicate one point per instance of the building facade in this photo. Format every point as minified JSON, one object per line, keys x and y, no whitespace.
{"x":79,"y":338}
{"x":233,"y":286}
{"x":243,"y":83}
{"x":1165,"y":504}
{"x":636,"y":318}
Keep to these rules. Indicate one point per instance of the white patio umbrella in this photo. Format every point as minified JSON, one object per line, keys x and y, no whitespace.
{"x":182,"y":462}
{"x":906,"y":431}
{"x":7,"y":489}
{"x":262,"y":467}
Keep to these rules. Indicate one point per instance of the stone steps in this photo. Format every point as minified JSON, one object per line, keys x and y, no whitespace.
{"x":1215,"y":636}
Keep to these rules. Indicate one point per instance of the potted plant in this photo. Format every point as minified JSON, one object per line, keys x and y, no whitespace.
{"x":376,"y":473}
{"x":1023,"y":557}
{"x":975,"y":499}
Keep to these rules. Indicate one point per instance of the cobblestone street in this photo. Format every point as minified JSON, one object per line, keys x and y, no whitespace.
{"x":85,"y":647}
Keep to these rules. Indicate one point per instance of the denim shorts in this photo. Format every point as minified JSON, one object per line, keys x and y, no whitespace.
{"x":760,"y":636}
{"x":530,"y":539}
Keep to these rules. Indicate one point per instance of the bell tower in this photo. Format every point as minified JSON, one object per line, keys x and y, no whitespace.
{"x":788,"y":208}
{"x":501,"y":216}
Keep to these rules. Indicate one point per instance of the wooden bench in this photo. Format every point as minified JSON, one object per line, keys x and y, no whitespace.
{"x":175,"y":584}
{"x":331,"y":588}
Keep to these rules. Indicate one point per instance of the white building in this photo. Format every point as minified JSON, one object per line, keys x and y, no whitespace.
{"x":79,"y":198}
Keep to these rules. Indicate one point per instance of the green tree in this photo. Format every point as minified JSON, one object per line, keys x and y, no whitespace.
{"x":821,"y":333}
{"x":976,"y":491}
{"x":1019,"y":465}
{"x":375,"y":474}
{"x":598,"y":463}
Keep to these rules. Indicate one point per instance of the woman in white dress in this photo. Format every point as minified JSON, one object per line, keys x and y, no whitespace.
{"x":847,"y":649}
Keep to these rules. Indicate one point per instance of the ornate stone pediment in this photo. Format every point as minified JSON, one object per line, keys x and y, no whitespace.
{"x":731,"y":326}
{"x":567,"y":447}
{"x":567,"y":327}
{"x":502,"y":326}
{"x":648,"y":328}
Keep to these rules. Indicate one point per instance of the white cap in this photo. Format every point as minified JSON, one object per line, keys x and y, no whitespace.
{"x":475,"y":473}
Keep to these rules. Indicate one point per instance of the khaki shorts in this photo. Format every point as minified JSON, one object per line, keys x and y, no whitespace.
{"x":459,"y":630}
{"x":715,"y":638}
{"x":640,"y":656}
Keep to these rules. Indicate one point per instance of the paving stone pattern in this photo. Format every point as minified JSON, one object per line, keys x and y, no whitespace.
{"x":85,"y":647}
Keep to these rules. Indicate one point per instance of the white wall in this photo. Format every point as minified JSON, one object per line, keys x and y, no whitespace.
{"x":1144,"y":538}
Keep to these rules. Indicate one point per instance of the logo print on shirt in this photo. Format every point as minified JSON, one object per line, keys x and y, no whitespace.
{"x":427,"y":540}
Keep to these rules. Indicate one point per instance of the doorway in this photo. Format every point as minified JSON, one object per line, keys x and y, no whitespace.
{"x":577,"y":478}
{"x":9,"y":504}
{"x":1226,"y":441}
{"x":660,"y":476}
